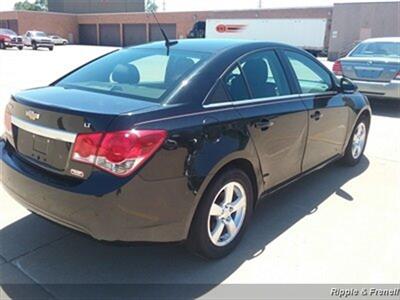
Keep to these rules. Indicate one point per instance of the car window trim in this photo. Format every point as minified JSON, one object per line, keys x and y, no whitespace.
{"x":276,"y":99}
{"x":276,"y":50}
{"x":251,"y":101}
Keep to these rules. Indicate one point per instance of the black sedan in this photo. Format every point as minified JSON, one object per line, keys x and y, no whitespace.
{"x":179,"y":144}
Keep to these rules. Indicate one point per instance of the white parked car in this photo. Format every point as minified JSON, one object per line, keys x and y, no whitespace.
{"x":57,"y":40}
{"x":38,"y":39}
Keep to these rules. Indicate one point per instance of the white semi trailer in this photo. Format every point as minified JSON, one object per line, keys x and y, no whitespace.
{"x":308,"y":34}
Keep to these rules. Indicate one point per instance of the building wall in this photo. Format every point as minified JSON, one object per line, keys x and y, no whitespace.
{"x":96,"y":6}
{"x":65,"y":25}
{"x":9,"y":20}
{"x":347,"y":23}
{"x":184,"y":20}
{"x":354,"y":22}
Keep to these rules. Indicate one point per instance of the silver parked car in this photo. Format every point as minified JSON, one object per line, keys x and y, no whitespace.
{"x":374,"y":65}
{"x":38,"y":39}
{"x":57,"y":40}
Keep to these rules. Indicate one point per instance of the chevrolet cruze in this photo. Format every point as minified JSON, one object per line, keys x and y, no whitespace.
{"x":178,"y":143}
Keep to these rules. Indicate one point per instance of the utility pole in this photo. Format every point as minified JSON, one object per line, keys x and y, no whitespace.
{"x":163,"y":5}
{"x":260,"y":4}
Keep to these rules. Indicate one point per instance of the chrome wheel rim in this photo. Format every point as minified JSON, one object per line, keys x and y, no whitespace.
{"x":359,"y":138}
{"x":227,"y":213}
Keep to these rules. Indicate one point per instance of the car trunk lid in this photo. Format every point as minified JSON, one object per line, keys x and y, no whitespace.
{"x":370,"y":69}
{"x":47,"y":120}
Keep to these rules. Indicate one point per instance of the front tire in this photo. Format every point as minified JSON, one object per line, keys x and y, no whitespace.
{"x":2,"y":46}
{"x":20,"y":48}
{"x":222,"y":215}
{"x":358,"y":141}
{"x":34,"y":46}
{"x":51,"y":48}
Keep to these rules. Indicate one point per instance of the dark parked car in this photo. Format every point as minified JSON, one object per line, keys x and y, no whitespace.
{"x":9,"y":39}
{"x":374,"y":65}
{"x":139,"y":145}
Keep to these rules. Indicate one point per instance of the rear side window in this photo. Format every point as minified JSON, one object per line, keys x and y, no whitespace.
{"x":311,"y":77}
{"x":218,"y":95}
{"x":265,"y":75}
{"x":236,"y":85}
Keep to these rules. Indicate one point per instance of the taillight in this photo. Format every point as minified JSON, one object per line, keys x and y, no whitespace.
{"x":397,"y":76}
{"x":85,"y":147}
{"x":7,"y":122}
{"x":337,"y":68}
{"x":121,"y":152}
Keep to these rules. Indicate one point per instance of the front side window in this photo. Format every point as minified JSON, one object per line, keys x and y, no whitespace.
{"x":380,"y":49}
{"x":311,"y":77}
{"x":265,"y":75}
{"x":144,"y":74}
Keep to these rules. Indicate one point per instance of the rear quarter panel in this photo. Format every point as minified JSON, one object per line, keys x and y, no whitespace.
{"x":199,"y":144}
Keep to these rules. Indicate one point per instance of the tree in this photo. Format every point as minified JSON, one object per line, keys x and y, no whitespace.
{"x":151,"y":5}
{"x":38,"y":5}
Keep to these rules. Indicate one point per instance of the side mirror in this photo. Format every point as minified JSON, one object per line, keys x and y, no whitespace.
{"x":347,"y":86}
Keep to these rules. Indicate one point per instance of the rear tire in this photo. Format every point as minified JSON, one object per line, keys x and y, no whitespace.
{"x":2,"y":46}
{"x":20,"y":48}
{"x":51,"y":48}
{"x":223,"y":213}
{"x":358,"y":141}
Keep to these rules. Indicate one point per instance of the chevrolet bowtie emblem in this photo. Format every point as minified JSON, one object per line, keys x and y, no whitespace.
{"x":32,"y":115}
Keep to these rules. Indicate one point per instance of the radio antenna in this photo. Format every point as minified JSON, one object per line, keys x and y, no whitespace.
{"x":168,"y":43}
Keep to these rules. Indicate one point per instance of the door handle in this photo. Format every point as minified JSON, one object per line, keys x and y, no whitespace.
{"x":317,"y":115}
{"x":264,"y":124}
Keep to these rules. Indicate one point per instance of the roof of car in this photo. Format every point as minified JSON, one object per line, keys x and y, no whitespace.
{"x":209,"y":45}
{"x":383,"y":39}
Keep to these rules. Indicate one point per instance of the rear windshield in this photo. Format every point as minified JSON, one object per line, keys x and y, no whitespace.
{"x":39,"y":34}
{"x":7,"y":31}
{"x":144,"y":74}
{"x":378,"y":49}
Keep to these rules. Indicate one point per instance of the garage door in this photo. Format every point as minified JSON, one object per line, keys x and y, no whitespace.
{"x":155,"y":33}
{"x":9,"y":24}
{"x":88,"y":34}
{"x":134,"y":34}
{"x":110,"y":35}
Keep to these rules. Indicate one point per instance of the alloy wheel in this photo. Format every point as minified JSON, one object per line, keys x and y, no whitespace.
{"x":227,"y":214}
{"x":359,"y":138}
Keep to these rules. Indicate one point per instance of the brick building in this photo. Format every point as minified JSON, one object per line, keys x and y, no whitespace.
{"x":347,"y":23}
{"x":96,"y":6}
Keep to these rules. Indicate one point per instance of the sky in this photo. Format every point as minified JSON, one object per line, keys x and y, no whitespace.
{"x":193,"y":5}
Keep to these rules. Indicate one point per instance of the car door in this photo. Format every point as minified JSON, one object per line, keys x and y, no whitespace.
{"x":27,"y":39}
{"x":328,"y":111}
{"x":274,"y":117}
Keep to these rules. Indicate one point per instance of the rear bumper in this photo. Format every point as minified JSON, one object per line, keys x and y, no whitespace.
{"x":139,"y":211}
{"x":380,"y":89}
